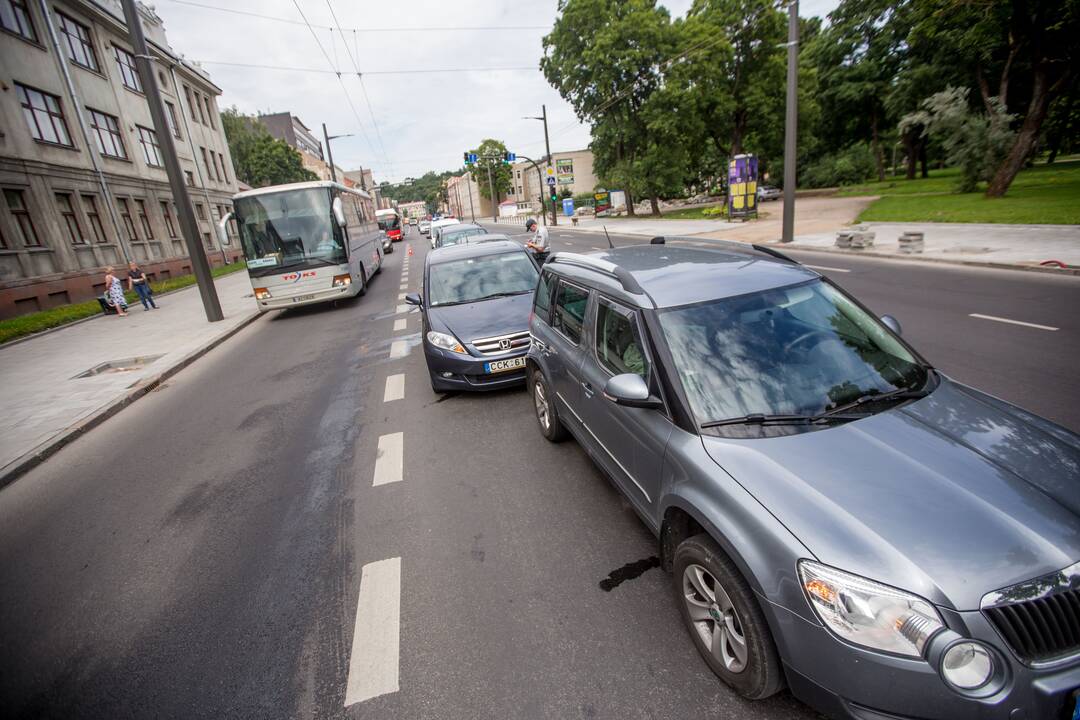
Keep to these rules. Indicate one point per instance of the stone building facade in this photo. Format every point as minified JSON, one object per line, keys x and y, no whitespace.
{"x":81,"y":171}
{"x":573,"y":171}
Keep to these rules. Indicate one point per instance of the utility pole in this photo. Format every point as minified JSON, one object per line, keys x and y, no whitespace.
{"x":469,"y":182}
{"x":791,"y":120}
{"x":547,"y":146}
{"x":186,"y":212}
{"x":329,"y":153}
{"x":491,"y":189}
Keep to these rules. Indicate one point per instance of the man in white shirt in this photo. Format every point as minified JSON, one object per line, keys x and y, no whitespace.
{"x":539,"y":242}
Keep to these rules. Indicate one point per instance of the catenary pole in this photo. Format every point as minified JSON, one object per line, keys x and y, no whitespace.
{"x":329,"y":153}
{"x":791,"y":121}
{"x":551,"y":161}
{"x":491,"y":189}
{"x":184,"y":208}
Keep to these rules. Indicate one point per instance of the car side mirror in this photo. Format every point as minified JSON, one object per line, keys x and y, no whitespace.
{"x":414,"y":299}
{"x":892,"y":323}
{"x":630,"y":390}
{"x":223,"y":231}
{"x":339,"y":211}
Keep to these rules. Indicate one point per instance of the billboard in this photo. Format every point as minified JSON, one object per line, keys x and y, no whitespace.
{"x":564,"y":171}
{"x":742,"y":187}
{"x":602,"y":202}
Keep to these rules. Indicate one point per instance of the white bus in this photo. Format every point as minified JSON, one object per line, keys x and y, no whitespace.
{"x":307,"y":242}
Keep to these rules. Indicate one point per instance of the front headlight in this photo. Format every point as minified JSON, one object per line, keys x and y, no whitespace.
{"x":867,"y":613}
{"x":445,"y":342}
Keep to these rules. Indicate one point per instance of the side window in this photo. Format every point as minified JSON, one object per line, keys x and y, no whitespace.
{"x":618,"y":341}
{"x":542,"y":300}
{"x":569,"y":316}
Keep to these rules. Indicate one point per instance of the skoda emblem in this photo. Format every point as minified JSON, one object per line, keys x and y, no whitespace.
{"x":504,"y":344}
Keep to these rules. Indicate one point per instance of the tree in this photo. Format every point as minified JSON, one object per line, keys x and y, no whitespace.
{"x":258,"y":158}
{"x":490,"y":156}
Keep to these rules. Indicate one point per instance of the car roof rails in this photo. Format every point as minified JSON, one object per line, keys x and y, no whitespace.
{"x":628,"y":282}
{"x":733,"y":246}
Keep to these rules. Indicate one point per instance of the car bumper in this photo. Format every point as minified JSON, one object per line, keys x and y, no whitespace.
{"x":844,"y":681}
{"x":312,"y":298}
{"x":454,"y":372}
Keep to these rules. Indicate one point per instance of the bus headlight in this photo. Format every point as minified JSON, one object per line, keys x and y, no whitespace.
{"x":261,"y":293}
{"x":445,"y":342}
{"x":342,"y":280}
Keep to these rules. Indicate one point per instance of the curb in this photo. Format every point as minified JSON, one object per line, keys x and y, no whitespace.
{"x":1072,"y":271}
{"x":26,"y":462}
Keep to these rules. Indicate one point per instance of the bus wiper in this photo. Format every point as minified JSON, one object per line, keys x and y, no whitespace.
{"x":762,"y":419}
{"x":869,"y":397}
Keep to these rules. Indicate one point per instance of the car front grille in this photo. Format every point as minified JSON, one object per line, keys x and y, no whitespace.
{"x":1041,"y":629}
{"x":502,"y":344}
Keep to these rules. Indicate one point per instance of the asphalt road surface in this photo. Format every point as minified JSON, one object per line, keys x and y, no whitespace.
{"x":204,"y":552}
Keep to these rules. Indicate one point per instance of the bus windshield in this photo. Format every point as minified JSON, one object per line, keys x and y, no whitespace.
{"x":292,"y":229}
{"x":389,"y":222}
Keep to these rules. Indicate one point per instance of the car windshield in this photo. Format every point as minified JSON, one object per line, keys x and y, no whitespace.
{"x":289,"y":229}
{"x":479,"y":278}
{"x":801,"y":350}
{"x":453,"y":236}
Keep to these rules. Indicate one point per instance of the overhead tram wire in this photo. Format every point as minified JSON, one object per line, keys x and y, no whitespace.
{"x":416,"y":71}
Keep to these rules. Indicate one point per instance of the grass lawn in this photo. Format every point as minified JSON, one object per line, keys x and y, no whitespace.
{"x":694,"y":213}
{"x":36,"y":322}
{"x":1043,"y":194}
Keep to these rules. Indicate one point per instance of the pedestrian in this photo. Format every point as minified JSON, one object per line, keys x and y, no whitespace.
{"x":138,"y":282}
{"x":538,"y":245}
{"x":114,"y":292}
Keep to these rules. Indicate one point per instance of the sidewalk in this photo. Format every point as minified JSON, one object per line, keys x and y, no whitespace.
{"x":48,"y":404}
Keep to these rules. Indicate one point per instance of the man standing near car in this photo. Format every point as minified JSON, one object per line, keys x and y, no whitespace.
{"x":538,"y":245}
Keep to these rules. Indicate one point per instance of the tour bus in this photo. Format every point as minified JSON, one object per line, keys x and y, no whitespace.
{"x":306,"y":243}
{"x":390,"y":223}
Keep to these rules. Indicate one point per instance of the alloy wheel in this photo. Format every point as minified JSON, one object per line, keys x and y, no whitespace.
{"x":714,"y":618}
{"x":540,"y":400}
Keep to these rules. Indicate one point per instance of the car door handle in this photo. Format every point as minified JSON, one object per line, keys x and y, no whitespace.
{"x":588,"y":386}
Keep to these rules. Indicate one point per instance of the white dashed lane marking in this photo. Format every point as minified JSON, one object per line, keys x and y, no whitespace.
{"x":395,"y":388}
{"x":374,"y":660}
{"x":401,"y":296}
{"x":402,"y":309}
{"x":1013,"y":322}
{"x":398,"y":349}
{"x":389,"y":459}
{"x":400,"y":324}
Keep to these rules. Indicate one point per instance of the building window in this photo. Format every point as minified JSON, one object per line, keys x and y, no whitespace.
{"x":167,"y":214}
{"x":129,"y":74}
{"x":92,"y":214}
{"x":71,"y":221}
{"x":151,"y":149}
{"x":206,"y":239}
{"x":15,"y":17}
{"x":16,"y":202}
{"x":107,"y":131}
{"x":125,"y":217}
{"x":190,"y":104}
{"x":209,"y":111}
{"x":210,"y":174}
{"x":224,"y":175}
{"x":190,"y":177}
{"x":200,"y":211}
{"x":144,"y":219}
{"x":198,"y":104}
{"x":80,"y":48}
{"x":44,"y":116}
{"x":171,"y":117}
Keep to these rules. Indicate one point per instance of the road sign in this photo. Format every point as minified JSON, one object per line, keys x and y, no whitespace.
{"x":511,"y":157}
{"x":550,"y":172}
{"x":551,"y":180}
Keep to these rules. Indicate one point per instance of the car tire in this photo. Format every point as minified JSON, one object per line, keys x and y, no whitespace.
{"x":547,"y":416}
{"x":724,"y":619}
{"x":363,"y":283}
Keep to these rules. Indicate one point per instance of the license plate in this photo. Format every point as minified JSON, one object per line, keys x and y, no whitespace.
{"x":302,"y":298}
{"x":498,"y":366}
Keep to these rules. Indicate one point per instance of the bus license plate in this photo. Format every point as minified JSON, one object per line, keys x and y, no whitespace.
{"x":302,"y":298}
{"x":498,"y":366}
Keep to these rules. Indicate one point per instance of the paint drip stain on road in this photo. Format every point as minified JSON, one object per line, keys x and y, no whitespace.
{"x":629,"y":571}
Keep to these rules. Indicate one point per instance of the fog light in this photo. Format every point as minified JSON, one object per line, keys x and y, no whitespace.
{"x":342,"y":280}
{"x":261,"y":293}
{"x":447,"y":374}
{"x":967,"y":665}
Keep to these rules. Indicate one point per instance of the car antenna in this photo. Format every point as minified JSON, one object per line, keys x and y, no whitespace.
{"x":610,"y":244}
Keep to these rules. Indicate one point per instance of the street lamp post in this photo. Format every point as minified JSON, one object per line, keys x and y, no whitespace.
{"x":791,"y":120}
{"x":547,"y":146}
{"x":329,"y":152}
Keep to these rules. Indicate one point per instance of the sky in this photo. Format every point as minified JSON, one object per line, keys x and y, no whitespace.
{"x":401,"y":124}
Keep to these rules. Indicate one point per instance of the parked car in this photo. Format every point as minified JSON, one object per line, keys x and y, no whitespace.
{"x":767,"y":192}
{"x":837,"y":515}
{"x":424,"y":227}
{"x":455,"y":234}
{"x":412,"y":221}
{"x":440,"y":223}
{"x":475,"y":303}
{"x":387,"y":243}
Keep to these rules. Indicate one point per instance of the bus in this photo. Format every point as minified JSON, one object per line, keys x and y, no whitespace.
{"x":306,"y":243}
{"x":390,"y":223}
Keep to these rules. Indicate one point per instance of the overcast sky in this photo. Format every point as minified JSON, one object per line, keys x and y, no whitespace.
{"x":421,"y":121}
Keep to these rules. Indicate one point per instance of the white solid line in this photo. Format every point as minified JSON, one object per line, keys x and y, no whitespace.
{"x":374,"y":660}
{"x":403,"y":309}
{"x":401,"y":296}
{"x":395,"y":388}
{"x":389,"y":459}
{"x":826,"y":267}
{"x":400,"y":324}
{"x":1013,"y":322}
{"x":399,"y":349}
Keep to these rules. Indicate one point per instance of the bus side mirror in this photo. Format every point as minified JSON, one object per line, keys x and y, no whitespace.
{"x":223,"y":232}
{"x":339,"y":212}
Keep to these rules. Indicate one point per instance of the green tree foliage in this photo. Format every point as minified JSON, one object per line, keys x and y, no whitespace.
{"x":429,"y":188}
{"x":490,"y":154}
{"x":258,"y":158}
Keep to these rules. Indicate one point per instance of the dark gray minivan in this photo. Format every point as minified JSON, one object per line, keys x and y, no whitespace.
{"x":838,"y":516}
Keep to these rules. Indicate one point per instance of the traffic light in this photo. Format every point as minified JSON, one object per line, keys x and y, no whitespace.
{"x":466,"y":155}
{"x":554,"y":195}
{"x":509,"y":158}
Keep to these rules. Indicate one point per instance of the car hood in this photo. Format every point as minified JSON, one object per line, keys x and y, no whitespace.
{"x":950,"y":497}
{"x":497,"y":316}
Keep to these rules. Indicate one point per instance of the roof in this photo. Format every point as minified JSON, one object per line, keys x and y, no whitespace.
{"x":675,"y":275}
{"x":461,"y":252}
{"x":458,"y":227}
{"x":270,"y":189}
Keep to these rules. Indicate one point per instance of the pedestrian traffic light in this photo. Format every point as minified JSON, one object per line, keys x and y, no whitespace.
{"x":554,"y":195}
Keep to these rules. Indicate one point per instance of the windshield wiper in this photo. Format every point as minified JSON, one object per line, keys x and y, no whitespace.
{"x":762,"y":419}
{"x":484,"y":297}
{"x":869,"y":397}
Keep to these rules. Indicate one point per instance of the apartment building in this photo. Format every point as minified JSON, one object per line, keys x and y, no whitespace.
{"x":287,"y":127}
{"x":81,"y":169}
{"x":464,"y":199}
{"x":415,"y":209}
{"x":572,"y":170}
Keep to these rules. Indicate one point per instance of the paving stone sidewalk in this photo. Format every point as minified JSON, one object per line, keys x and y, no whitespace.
{"x":48,"y":403}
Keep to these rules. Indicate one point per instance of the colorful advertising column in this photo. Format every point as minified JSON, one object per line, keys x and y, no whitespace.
{"x":742,"y":187}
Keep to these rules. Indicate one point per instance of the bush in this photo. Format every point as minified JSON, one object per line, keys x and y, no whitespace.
{"x":715,"y":211}
{"x":851,"y":165}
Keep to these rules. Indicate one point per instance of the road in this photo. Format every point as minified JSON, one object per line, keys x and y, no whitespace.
{"x":203,"y":553}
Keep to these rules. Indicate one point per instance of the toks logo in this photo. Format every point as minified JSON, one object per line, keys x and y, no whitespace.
{"x":295,"y":277}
